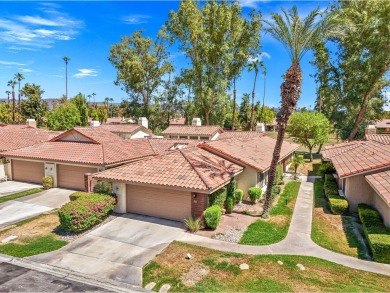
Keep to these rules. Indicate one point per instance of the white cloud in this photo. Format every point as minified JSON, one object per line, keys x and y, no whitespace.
{"x":55,"y":75}
{"x":37,"y":20}
{"x":11,"y":63}
{"x":84,"y":72}
{"x":136,"y":19}
{"x":266,"y":55}
{"x":259,"y":57}
{"x":249,"y":3}
{"x":26,"y":70}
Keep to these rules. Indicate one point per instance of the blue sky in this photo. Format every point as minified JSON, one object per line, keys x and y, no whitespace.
{"x":35,"y":36}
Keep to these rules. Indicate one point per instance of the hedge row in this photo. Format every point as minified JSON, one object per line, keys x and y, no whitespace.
{"x":218,"y":197}
{"x":338,"y":204}
{"x":377,"y":234}
{"x":86,"y":211}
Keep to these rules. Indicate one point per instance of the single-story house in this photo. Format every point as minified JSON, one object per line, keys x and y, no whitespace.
{"x":239,"y":134}
{"x":357,"y":164}
{"x":194,"y":131}
{"x":72,"y":154}
{"x":255,"y":154}
{"x":128,"y":131}
{"x":175,"y":185}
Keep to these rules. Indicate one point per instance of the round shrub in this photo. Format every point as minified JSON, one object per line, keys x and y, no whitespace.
{"x":238,"y":195}
{"x":212,"y":216}
{"x":83,"y":213}
{"x":47,"y":182}
{"x":78,"y":194}
{"x":103,"y":187}
{"x":229,"y":204}
{"x":254,"y":194}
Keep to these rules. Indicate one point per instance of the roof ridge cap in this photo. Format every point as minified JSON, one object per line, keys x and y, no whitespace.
{"x":196,"y":171}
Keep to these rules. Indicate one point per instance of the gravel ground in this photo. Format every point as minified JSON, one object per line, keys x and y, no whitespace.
{"x":232,"y":235}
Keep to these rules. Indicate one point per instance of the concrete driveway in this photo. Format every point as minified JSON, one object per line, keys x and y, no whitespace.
{"x":118,"y":250}
{"x":10,"y":187}
{"x":14,"y":211}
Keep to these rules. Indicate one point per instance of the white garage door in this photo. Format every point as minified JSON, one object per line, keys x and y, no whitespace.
{"x":161,"y":203}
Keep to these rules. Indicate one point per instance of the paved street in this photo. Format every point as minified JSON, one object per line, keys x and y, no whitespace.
{"x":18,"y":279}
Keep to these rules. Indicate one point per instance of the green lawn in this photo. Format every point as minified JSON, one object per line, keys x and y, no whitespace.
{"x":222,"y":273}
{"x":19,"y":194}
{"x":274,"y":229}
{"x":334,"y":232}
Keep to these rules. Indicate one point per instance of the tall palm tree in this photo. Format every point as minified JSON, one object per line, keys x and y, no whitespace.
{"x":66,"y":59}
{"x":112,"y":101}
{"x":19,"y":77}
{"x":262,"y":107}
{"x":93,"y":95}
{"x":254,"y":65}
{"x":234,"y":102}
{"x":89,"y":99}
{"x":7,"y":93}
{"x":298,"y":36}
{"x":12,"y":83}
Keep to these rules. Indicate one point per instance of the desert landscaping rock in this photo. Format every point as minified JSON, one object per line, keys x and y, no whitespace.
{"x":9,"y":238}
{"x":195,"y":274}
{"x":188,"y":256}
{"x":280,"y":262}
{"x":244,"y":266}
{"x":232,"y":235}
{"x":301,"y":267}
{"x":165,"y":288}
{"x":150,"y":286}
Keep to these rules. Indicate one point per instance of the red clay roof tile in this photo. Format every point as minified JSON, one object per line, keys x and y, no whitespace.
{"x":381,"y":183}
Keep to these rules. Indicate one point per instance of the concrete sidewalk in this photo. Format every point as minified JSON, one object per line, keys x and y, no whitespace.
{"x":298,"y":240}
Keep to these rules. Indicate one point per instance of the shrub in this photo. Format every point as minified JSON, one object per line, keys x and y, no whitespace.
{"x":238,"y":195}
{"x":326,"y":168}
{"x":278,"y":175}
{"x":47,"y":182}
{"x":230,"y":188}
{"x":254,"y":194}
{"x":338,"y":204}
{"x":275,"y":191}
{"x":212,"y":216}
{"x":217,"y":197}
{"x":192,"y":224}
{"x":83,"y":213}
{"x":377,"y":234}
{"x":103,"y":187}
{"x":330,"y":186}
{"x":78,"y":194}
{"x":229,"y":204}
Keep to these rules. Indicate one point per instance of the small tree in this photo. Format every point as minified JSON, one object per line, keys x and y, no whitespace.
{"x":296,"y":162}
{"x":64,"y":117}
{"x":309,"y":128}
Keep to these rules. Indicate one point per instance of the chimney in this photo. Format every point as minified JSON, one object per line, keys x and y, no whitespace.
{"x":94,"y":123}
{"x":143,"y":121}
{"x":196,"y":122}
{"x":31,"y":123}
{"x":370,"y":129}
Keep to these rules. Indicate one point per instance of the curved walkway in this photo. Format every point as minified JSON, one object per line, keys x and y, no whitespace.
{"x":297,"y":242}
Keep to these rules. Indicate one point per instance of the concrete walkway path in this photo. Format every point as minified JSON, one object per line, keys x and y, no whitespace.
{"x":298,"y":240}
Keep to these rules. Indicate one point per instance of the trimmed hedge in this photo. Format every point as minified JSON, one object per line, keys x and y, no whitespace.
{"x":47,"y":182}
{"x":86,"y":211}
{"x":218,"y":197}
{"x":377,"y":234}
{"x":326,"y":168}
{"x":212,"y":216}
{"x":254,"y":194}
{"x":103,"y":187}
{"x":229,"y":204}
{"x":279,"y":175}
{"x":238,"y":195}
{"x":78,"y":194}
{"x":338,"y":204}
{"x":275,"y":191}
{"x":330,"y":186}
{"x":231,"y":188}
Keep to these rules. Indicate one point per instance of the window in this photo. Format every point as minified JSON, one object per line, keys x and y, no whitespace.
{"x":193,"y":137}
{"x":204,"y":138}
{"x":183,"y":137}
{"x":263,"y":179}
{"x":173,"y":136}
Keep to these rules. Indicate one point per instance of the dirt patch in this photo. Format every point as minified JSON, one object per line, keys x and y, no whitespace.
{"x":334,"y":221}
{"x":195,"y":274}
{"x":280,"y":220}
{"x":44,"y":224}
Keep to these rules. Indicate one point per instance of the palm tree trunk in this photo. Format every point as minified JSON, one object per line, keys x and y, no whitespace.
{"x":13,"y":106}
{"x":234,"y":103}
{"x":66,"y":80}
{"x":290,"y":92}
{"x":19,"y":105}
{"x":253,"y":103}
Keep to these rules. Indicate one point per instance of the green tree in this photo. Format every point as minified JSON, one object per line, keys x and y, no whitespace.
{"x":141,"y":64}
{"x":12,"y":84}
{"x":265,"y":115}
{"x":217,"y":40}
{"x":19,"y":77}
{"x":65,"y":117}
{"x":298,"y":36}
{"x":5,"y":113}
{"x":309,"y":128}
{"x":7,"y":93}
{"x":244,"y":113}
{"x":297,"y":161}
{"x":99,"y":114}
{"x":254,"y":66}
{"x":33,"y":107}
{"x":81,"y":103}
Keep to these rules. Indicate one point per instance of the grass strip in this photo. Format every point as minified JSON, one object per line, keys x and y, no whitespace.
{"x":19,"y":194}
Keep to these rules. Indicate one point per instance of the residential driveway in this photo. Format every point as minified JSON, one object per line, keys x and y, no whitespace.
{"x":10,"y":187}
{"x":13,"y":211}
{"x":118,"y":250}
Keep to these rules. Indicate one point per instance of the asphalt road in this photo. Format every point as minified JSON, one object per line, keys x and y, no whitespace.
{"x":18,"y":279}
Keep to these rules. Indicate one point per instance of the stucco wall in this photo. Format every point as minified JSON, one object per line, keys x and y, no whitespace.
{"x":382,"y":207}
{"x":247,"y":179}
{"x":139,"y":134}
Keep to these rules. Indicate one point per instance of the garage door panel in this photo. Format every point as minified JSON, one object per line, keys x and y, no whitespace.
{"x":162,"y":203}
{"x":72,"y":177}
{"x":28,"y":171}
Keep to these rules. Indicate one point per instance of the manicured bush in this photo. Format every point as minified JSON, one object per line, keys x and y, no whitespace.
{"x":377,"y":234}
{"x":254,"y":194}
{"x":230,"y":188}
{"x":326,"y":168}
{"x":279,"y":175}
{"x":330,"y":186}
{"x":78,"y":194}
{"x":238,"y":195}
{"x":338,"y":204}
{"x":217,"y":197}
{"x":229,"y":204}
{"x":47,"y":182}
{"x":275,"y":191}
{"x":212,"y":216}
{"x":83,"y":213}
{"x":103,"y":187}
{"x":192,"y":224}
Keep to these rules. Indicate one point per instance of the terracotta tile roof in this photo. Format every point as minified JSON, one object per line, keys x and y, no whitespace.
{"x":124,"y":128}
{"x":163,"y":145}
{"x":11,"y":127}
{"x":382,"y":138}
{"x":254,"y":151}
{"x":190,"y":168}
{"x":96,"y":134}
{"x":381,"y":183}
{"x":358,"y":156}
{"x":239,"y":134}
{"x":177,"y":121}
{"x":192,"y":130}
{"x":115,"y":120}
